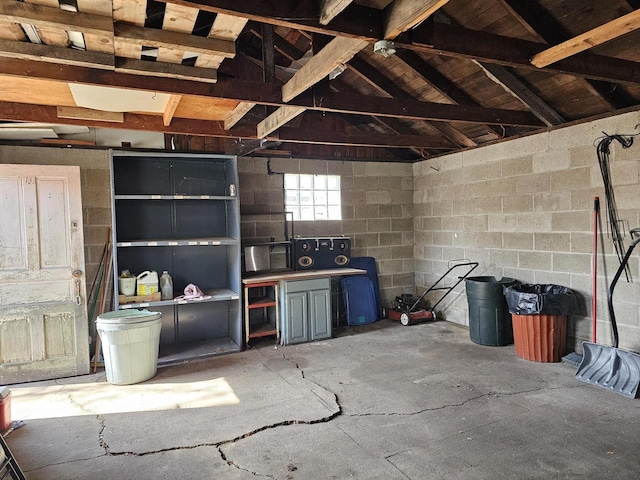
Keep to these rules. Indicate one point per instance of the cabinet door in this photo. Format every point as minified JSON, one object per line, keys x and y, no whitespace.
{"x":297,"y":317}
{"x":320,"y":314}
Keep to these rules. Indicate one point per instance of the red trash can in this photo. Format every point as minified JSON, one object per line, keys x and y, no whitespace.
{"x":540,"y":338}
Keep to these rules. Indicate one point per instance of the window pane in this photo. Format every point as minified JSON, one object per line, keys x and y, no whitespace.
{"x":333,"y":182}
{"x":295,"y":211}
{"x":333,"y":198}
{"x":306,"y":213}
{"x":306,"y":197}
{"x":321,"y":212}
{"x":292,"y":197}
{"x":320,"y":182}
{"x":306,"y":182}
{"x":320,"y":198}
{"x":291,"y":181}
{"x":335,"y":213}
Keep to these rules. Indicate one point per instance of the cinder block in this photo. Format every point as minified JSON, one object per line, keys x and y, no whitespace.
{"x":452,"y":253}
{"x":404,"y":251}
{"x":404,"y":280}
{"x":618,"y":124}
{"x":571,"y":179}
{"x":442,"y":208}
{"x":550,"y":202}
{"x":454,"y":224}
{"x":366,"y":240}
{"x":553,"y":242}
{"x":570,"y":137}
{"x":488,"y":239}
{"x":502,"y":223}
{"x":401,"y":197}
{"x":433,"y":253}
{"x":442,"y":238}
{"x":571,"y":262}
{"x":444,"y":163}
{"x":390,"y":183}
{"x":314,"y":167}
{"x":477,"y":173}
{"x":583,"y":156}
{"x":503,"y":258}
{"x":351,"y":227}
{"x":582,"y":242}
{"x":517,"y":203}
{"x":534,"y":260}
{"x":380,"y":253}
{"x":408,"y":238}
{"x":627,"y":197}
{"x":475,"y":223}
{"x":571,"y":221}
{"x":365,"y":212}
{"x":379,"y":197}
{"x":96,"y":178}
{"x":400,"y":169}
{"x":391,"y":238}
{"x":536,"y":183}
{"x":378,"y":225}
{"x":517,"y":166}
{"x":534,"y":222}
{"x":98,"y":216}
{"x":488,"y":205}
{"x":400,"y":224}
{"x":583,"y":200}
{"x":546,"y":277}
{"x":339,"y":167}
{"x":96,"y":197}
{"x":359,"y":169}
{"x":378,"y":169}
{"x":432,"y":223}
{"x":387,"y":267}
{"x":517,"y":241}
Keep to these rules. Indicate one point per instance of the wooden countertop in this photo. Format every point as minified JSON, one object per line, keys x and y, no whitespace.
{"x":302,"y":275}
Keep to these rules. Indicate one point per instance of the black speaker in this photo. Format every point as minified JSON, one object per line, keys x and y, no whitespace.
{"x":321,"y":253}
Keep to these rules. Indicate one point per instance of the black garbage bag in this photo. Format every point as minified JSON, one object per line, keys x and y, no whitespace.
{"x":535,"y":299}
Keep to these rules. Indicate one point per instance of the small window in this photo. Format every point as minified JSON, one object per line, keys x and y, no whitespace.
{"x":312,"y":197}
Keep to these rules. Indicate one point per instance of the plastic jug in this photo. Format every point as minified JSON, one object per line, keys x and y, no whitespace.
{"x":166,"y":286}
{"x":148,"y":283}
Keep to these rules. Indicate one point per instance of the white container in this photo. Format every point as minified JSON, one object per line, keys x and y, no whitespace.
{"x":166,"y":286}
{"x":130,"y":341}
{"x":148,"y":283}
{"x":127,"y":285}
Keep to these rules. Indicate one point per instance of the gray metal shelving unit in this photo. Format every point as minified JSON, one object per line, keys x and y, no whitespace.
{"x":180,"y":213}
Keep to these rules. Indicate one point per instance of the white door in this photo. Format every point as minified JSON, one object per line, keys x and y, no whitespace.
{"x":43,"y":315}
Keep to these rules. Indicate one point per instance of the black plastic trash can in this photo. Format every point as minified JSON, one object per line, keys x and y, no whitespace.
{"x":489,"y":317}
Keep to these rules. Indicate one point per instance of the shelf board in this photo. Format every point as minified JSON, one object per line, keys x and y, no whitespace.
{"x":177,"y":242}
{"x":174,"y":197}
{"x":183,"y":352}
{"x":262,"y":302}
{"x":217,"y":295}
{"x":263,"y":330}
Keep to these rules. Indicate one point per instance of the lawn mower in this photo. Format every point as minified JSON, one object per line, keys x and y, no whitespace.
{"x":411,"y":310}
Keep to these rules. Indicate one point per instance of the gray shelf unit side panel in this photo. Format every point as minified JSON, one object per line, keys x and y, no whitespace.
{"x":227,"y":266}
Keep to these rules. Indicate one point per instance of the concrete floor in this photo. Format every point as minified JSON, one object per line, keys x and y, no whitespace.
{"x":378,"y":402}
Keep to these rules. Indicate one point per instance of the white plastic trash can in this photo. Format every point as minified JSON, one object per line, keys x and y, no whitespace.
{"x":130,"y":341}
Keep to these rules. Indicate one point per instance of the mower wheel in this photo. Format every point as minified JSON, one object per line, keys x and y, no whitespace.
{"x":404,"y":319}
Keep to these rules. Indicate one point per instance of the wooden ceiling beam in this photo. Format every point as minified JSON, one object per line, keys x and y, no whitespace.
{"x":544,"y":26}
{"x":51,"y":17}
{"x":355,"y":21}
{"x":152,"y":37}
{"x":165,"y":70}
{"x":269,"y":94}
{"x":170,"y":109}
{"x":132,"y":121}
{"x":524,"y":94}
{"x":329,"y":9}
{"x":331,"y":137}
{"x":401,"y":15}
{"x":441,"y":39}
{"x":594,"y":37}
{"x":56,"y":54}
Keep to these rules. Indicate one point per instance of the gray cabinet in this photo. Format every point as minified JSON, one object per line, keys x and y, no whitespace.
{"x":180,"y":213}
{"x":306,"y":310}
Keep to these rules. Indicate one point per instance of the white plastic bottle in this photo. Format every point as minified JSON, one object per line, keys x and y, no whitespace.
{"x":166,"y":286}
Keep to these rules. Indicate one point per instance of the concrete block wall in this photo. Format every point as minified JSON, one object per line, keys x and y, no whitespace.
{"x":377,"y":212}
{"x":95,"y":191}
{"x":524,"y":209}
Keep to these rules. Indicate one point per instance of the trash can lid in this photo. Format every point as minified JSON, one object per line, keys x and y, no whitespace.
{"x":128,"y":316}
{"x":4,"y":392}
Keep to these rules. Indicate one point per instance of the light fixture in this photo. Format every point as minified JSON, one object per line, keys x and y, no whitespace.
{"x":386,"y":48}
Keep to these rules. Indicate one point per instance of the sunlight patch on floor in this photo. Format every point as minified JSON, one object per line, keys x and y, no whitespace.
{"x":100,"y":398}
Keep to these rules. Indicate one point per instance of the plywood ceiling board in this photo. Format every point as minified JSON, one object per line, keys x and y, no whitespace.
{"x":97,"y":43}
{"x":130,"y":11}
{"x":204,"y":108}
{"x":176,"y":19}
{"x":41,"y":92}
{"x":11,"y":31}
{"x":225,"y":27}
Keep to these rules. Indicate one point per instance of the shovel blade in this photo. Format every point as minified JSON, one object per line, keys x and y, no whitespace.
{"x":611,"y":368}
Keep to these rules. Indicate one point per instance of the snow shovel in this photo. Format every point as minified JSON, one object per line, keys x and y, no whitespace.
{"x":610,"y":367}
